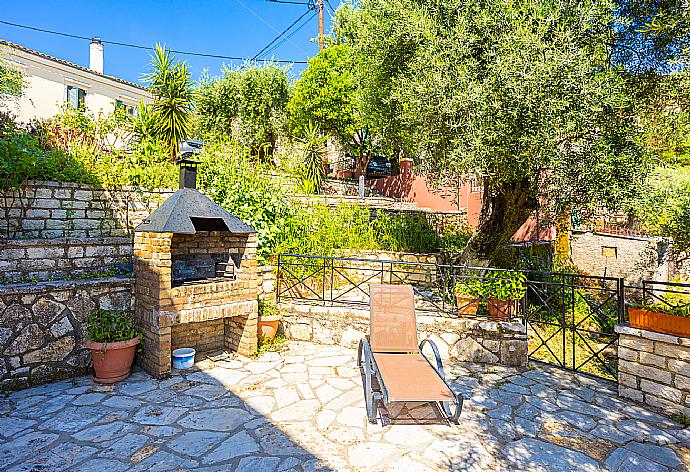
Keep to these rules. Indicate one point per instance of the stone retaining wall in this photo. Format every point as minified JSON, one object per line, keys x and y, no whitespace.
{"x":654,"y":368}
{"x":65,"y":210}
{"x":469,"y":340}
{"x":267,"y":283}
{"x":43,"y":259}
{"x":42,"y":327}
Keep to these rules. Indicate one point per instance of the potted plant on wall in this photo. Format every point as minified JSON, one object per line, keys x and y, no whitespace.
{"x":661,"y":318}
{"x":269,"y":317}
{"x":467,"y":293}
{"x":112,"y":338}
{"x":504,"y":289}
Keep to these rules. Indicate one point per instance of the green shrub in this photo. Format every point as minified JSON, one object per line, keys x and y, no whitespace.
{"x":505,"y":285}
{"x":109,"y":326}
{"x":470,"y":287}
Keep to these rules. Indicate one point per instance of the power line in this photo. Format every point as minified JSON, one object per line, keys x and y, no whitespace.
{"x":292,"y":33}
{"x":281,"y":34}
{"x":138,"y":46}
{"x":267,"y":23}
{"x":288,"y":2}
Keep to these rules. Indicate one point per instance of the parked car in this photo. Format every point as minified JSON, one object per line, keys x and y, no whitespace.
{"x":190,"y":147}
{"x":378,"y":166}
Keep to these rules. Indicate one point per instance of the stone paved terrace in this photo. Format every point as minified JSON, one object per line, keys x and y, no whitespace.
{"x":303,"y":409}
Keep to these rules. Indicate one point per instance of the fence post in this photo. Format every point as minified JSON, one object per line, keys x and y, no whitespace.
{"x":278,"y":282}
{"x":621,"y":299}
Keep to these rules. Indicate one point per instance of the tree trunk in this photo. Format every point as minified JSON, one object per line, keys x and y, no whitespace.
{"x":503,"y":212}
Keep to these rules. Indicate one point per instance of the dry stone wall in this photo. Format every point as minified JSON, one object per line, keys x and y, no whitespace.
{"x":654,"y":368}
{"x":632,"y":257}
{"x":470,"y":340}
{"x":65,"y":210}
{"x":42,"y":327}
{"x":43,"y":259}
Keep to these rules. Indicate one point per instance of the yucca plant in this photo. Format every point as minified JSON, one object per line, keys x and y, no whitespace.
{"x":311,"y":172}
{"x":173,"y":99}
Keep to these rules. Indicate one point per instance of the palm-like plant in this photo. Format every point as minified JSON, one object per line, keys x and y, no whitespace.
{"x":311,"y":172}
{"x":171,"y":85}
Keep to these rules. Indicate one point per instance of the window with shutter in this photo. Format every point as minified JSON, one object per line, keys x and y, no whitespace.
{"x":76,"y":97}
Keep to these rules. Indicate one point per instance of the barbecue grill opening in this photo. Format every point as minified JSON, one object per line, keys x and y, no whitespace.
{"x":209,"y":224}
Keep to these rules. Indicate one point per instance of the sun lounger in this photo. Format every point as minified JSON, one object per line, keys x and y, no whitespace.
{"x":392,"y":355}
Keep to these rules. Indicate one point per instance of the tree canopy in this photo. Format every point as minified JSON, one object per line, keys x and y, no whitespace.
{"x":247,"y":104}
{"x":521,"y":92}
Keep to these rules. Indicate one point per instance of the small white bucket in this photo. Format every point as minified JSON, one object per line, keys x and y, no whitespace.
{"x":183,"y":358}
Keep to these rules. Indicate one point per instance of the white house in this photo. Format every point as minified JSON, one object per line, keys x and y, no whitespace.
{"x":52,"y":83}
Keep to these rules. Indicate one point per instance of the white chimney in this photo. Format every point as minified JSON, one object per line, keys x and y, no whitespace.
{"x":96,"y":55}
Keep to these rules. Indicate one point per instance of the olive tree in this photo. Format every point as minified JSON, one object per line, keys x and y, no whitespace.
{"x":521,"y":92}
{"x":247,"y":104}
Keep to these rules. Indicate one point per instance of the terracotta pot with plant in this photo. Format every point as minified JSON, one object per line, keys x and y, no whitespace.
{"x":504,"y":289}
{"x":661,"y":318}
{"x":112,"y":339}
{"x":269,"y":318}
{"x":467,"y":293}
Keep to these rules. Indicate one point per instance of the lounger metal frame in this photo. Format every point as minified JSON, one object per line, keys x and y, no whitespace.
{"x":367,"y":361}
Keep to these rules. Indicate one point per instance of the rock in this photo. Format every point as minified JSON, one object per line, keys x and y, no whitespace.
{"x":469,"y":350}
{"x":15,"y":315}
{"x":237,"y":445}
{"x":5,"y":335}
{"x":514,"y":353}
{"x":370,"y":454}
{"x":115,"y":301}
{"x":53,"y":352}
{"x":61,"y":327}
{"x":351,"y":338}
{"x":158,"y":415}
{"x":81,"y":305}
{"x":195,"y":443}
{"x":29,"y":338}
{"x":624,"y":460}
{"x":662,"y":455}
{"x":299,"y":331}
{"x":46,"y":310}
{"x":529,"y":453}
{"x":215,"y":419}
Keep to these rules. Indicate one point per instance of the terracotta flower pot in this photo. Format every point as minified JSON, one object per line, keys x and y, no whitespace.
{"x":268,"y":327}
{"x":501,"y":309}
{"x":112,"y":361}
{"x":466,"y":305}
{"x":659,"y":322}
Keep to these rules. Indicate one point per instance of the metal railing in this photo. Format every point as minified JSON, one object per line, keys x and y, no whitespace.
{"x":569,"y":317}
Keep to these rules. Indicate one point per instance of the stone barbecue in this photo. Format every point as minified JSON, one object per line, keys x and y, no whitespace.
{"x":195,"y":278}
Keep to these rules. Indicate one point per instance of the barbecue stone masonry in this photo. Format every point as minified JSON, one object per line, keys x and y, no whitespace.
{"x":211,"y":316}
{"x":654,"y":368}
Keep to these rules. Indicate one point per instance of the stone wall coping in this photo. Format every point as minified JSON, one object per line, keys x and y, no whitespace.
{"x":625,"y":328}
{"x":266,"y":268}
{"x":422,"y":319}
{"x":102,"y":241}
{"x":48,"y":286}
{"x":126,"y":188}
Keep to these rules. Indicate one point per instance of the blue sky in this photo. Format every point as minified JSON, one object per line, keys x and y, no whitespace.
{"x":226,"y":27}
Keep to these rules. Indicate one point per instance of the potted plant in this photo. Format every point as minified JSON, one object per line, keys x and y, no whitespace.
{"x":467,"y":292}
{"x":504,"y":289}
{"x":112,"y":339}
{"x":269,"y":317}
{"x":661,"y":318}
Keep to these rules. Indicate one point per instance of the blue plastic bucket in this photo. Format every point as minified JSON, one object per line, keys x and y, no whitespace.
{"x":183,"y":358}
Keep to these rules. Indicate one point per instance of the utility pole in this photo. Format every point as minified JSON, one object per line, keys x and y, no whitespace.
{"x":321,"y":35}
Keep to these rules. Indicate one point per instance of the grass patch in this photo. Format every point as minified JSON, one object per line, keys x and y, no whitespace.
{"x":681,"y":418}
{"x":278,"y":344}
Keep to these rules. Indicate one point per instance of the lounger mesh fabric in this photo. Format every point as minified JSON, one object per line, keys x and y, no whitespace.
{"x":393,"y":323}
{"x":407,"y":374}
{"x":410,"y":378}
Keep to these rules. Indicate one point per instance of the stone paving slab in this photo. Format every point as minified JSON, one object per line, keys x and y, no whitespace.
{"x":303,"y":410}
